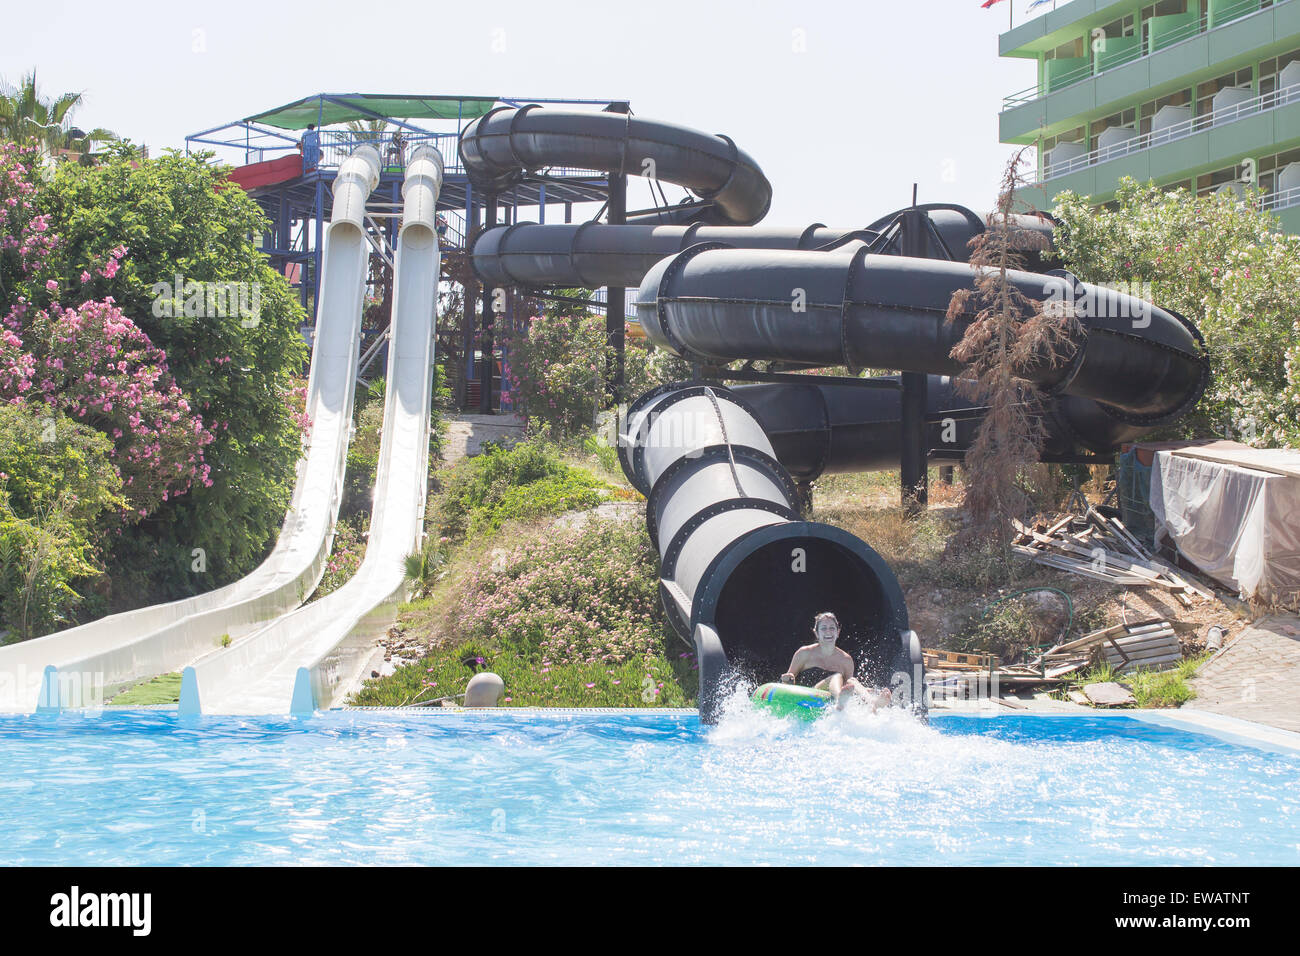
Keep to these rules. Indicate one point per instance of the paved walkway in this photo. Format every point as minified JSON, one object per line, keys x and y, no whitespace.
{"x":1257,"y":676}
{"x":467,"y":432}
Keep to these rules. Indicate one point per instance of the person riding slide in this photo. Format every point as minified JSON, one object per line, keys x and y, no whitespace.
{"x":841,"y":683}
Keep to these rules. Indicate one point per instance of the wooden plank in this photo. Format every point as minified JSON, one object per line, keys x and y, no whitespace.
{"x":1149,"y":664}
{"x":1059,"y":525}
{"x":1160,"y":643}
{"x":1087,"y":639}
{"x":1126,"y":541}
{"x":1064,"y":669}
{"x":1177,"y":574}
{"x":1128,"y":536}
{"x":1164,"y":641}
{"x":1068,"y":564}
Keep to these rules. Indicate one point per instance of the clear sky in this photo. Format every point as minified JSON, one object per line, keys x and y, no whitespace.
{"x":844,"y":104}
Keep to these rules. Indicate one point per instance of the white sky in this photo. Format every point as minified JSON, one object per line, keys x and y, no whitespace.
{"x":884,"y":94}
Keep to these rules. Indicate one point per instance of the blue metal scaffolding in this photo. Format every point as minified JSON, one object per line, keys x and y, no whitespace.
{"x":297,"y":198}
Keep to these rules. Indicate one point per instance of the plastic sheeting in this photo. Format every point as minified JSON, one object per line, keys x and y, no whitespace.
{"x":1234,"y":512}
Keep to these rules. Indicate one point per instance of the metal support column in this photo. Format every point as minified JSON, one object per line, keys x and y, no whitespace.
{"x":913,"y":460}
{"x":485,"y":360}
{"x":318,"y":256}
{"x":615,"y":297}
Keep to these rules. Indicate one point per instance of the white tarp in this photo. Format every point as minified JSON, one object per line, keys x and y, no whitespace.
{"x":1234,"y":512}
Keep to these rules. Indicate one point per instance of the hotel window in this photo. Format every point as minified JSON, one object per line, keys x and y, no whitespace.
{"x":1072,"y":50}
{"x":1206,"y":92}
{"x":1069,"y":136}
{"x":1150,"y":108}
{"x":1119,"y":141}
{"x":1271,"y":168}
{"x":1213,"y":182}
{"x":1165,"y":8}
{"x":1281,"y":72}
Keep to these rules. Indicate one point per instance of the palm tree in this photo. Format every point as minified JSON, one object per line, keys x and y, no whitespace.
{"x":25,"y":114}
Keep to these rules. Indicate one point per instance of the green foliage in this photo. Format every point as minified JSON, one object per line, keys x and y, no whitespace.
{"x":26,"y":114}
{"x":444,"y":674}
{"x":346,"y":555}
{"x":980,"y":564}
{"x":558,"y":363}
{"x":363,"y":451}
{"x":1221,"y":263}
{"x":45,"y":456}
{"x":1151,"y":688}
{"x":1007,"y":632}
{"x":178,"y":217}
{"x":646,"y":366}
{"x":557,"y":369}
{"x":567,"y":618}
{"x":57,"y":490}
{"x":606,"y":454}
{"x":527,"y":480}
{"x":442,"y":400}
{"x":1168,"y":688}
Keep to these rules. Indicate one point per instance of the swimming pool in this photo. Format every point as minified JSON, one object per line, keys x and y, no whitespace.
{"x":355,"y":786}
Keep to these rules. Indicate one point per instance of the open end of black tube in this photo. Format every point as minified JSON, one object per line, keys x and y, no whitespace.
{"x":764,"y":592}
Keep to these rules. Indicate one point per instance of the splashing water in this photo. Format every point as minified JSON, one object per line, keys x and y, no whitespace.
{"x":600,"y":788}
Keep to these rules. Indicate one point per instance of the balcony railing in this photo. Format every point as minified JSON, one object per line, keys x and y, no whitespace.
{"x":1219,"y":117}
{"x":337,"y":145}
{"x":1101,"y":62}
{"x":1282,"y":200}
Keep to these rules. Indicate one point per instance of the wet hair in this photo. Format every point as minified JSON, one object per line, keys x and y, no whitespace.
{"x":825,"y":616}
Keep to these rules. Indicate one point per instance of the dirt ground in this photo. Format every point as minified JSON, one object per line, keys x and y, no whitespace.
{"x":945,"y":596}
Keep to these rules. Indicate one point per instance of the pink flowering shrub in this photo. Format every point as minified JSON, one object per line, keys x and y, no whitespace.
{"x":90,"y":362}
{"x":345,"y":558}
{"x":95,"y":365}
{"x":565,"y":617}
{"x":581,"y":595}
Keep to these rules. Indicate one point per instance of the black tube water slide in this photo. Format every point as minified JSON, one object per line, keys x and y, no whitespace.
{"x":1142,"y":364}
{"x":741,"y":574}
{"x":814,"y":297}
{"x":502,"y":146}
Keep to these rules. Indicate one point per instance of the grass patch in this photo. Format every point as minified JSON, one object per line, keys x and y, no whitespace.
{"x":1151,"y":688}
{"x":163,"y":689}
{"x":653,"y":681}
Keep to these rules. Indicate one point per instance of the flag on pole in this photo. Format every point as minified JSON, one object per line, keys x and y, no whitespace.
{"x":1011,"y":10}
{"x":1038,"y":3}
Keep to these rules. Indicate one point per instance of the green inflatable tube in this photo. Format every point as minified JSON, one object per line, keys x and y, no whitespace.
{"x":792,"y":700}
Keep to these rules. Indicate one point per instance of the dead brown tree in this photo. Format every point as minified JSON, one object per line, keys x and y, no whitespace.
{"x":1009,"y":339}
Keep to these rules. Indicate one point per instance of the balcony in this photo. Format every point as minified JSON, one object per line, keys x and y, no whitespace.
{"x":1127,"y":141}
{"x":1157,"y":33}
{"x":1282,"y":199}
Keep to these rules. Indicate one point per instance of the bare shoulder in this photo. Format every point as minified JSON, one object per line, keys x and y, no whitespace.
{"x":846,"y":660}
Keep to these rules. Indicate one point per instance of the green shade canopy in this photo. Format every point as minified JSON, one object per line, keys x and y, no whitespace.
{"x":325,"y":109}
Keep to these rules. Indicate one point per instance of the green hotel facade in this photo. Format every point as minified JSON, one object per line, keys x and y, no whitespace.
{"x":1203,"y":94}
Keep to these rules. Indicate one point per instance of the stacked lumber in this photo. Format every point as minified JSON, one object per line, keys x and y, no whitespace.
{"x":1144,"y":644}
{"x":1099,"y":547}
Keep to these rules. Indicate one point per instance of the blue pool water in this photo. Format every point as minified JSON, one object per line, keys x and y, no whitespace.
{"x":392,"y":787}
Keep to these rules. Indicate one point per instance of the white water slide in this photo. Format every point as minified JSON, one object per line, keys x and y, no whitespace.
{"x":306,"y":659}
{"x":73,"y":667}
